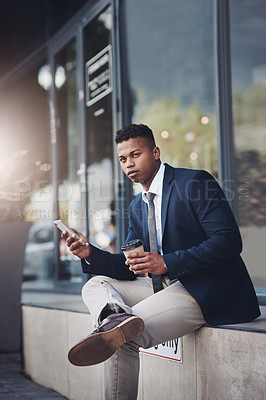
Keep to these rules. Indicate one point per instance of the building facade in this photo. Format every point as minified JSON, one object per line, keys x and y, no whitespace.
{"x":194,"y":71}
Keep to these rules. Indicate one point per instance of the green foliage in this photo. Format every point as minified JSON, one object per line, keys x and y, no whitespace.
{"x":190,"y":143}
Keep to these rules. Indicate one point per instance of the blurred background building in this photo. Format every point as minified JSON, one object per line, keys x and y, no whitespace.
{"x":72,"y":72}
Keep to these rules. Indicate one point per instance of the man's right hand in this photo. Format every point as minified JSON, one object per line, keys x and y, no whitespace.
{"x":75,"y":246}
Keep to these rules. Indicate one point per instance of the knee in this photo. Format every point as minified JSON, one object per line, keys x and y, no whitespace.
{"x":87,"y":286}
{"x":93,"y":282}
{"x":96,"y":280}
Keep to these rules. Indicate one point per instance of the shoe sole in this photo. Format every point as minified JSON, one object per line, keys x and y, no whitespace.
{"x":98,"y":347}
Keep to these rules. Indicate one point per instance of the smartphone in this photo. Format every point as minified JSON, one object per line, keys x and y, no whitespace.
{"x":63,"y":227}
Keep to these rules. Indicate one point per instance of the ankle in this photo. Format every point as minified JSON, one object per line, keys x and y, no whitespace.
{"x":108,"y":310}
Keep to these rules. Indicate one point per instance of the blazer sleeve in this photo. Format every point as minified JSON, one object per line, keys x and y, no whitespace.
{"x":105,"y":263}
{"x":223,"y":241}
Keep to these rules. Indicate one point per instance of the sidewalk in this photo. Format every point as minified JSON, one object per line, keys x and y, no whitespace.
{"x":15,"y":386}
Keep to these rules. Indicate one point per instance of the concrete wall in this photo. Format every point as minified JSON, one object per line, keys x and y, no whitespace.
{"x":10,"y":283}
{"x":217,"y":364}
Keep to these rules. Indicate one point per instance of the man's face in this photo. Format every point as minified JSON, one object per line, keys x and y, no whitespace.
{"x":138,"y":161}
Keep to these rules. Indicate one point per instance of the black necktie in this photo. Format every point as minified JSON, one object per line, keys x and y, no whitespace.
{"x":156,"y":279}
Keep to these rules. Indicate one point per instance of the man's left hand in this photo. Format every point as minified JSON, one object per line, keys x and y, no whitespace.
{"x":145,"y":262}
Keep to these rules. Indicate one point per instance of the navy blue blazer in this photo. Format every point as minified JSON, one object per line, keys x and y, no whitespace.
{"x":201,"y":246}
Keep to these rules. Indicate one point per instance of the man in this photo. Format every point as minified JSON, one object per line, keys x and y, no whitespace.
{"x":192,"y":255}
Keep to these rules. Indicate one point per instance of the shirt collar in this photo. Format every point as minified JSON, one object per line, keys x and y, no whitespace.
{"x":156,"y":185}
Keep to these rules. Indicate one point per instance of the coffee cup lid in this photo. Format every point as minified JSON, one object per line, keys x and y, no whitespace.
{"x":133,"y":244}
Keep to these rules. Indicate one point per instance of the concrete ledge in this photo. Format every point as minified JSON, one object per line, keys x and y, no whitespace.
{"x":230,"y":364}
{"x":218,"y":363}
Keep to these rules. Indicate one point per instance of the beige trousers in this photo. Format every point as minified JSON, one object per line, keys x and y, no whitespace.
{"x":167,"y":315}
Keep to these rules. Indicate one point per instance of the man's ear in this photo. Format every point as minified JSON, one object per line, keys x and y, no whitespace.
{"x":156,"y":153}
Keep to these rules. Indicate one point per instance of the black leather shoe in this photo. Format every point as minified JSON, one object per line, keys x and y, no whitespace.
{"x":102,"y":343}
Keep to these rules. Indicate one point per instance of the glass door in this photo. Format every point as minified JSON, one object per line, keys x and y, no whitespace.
{"x":97,"y":50}
{"x":68,"y":158}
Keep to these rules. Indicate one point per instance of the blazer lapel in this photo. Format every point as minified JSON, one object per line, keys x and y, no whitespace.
{"x":167,"y":189}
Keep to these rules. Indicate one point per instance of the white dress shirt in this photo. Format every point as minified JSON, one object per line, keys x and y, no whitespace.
{"x":157,"y":188}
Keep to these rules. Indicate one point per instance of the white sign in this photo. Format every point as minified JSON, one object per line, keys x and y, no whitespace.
{"x":171,"y":350}
{"x":99,"y":76}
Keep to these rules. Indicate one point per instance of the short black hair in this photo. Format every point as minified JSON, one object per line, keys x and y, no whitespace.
{"x":134,"y":130}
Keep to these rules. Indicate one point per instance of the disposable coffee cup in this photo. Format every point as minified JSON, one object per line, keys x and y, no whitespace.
{"x":134,"y":246}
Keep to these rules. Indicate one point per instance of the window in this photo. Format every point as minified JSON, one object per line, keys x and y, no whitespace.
{"x":169,"y":77}
{"x":68,"y":158}
{"x":99,"y":131}
{"x":248,"y":48}
{"x":25,"y":156}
